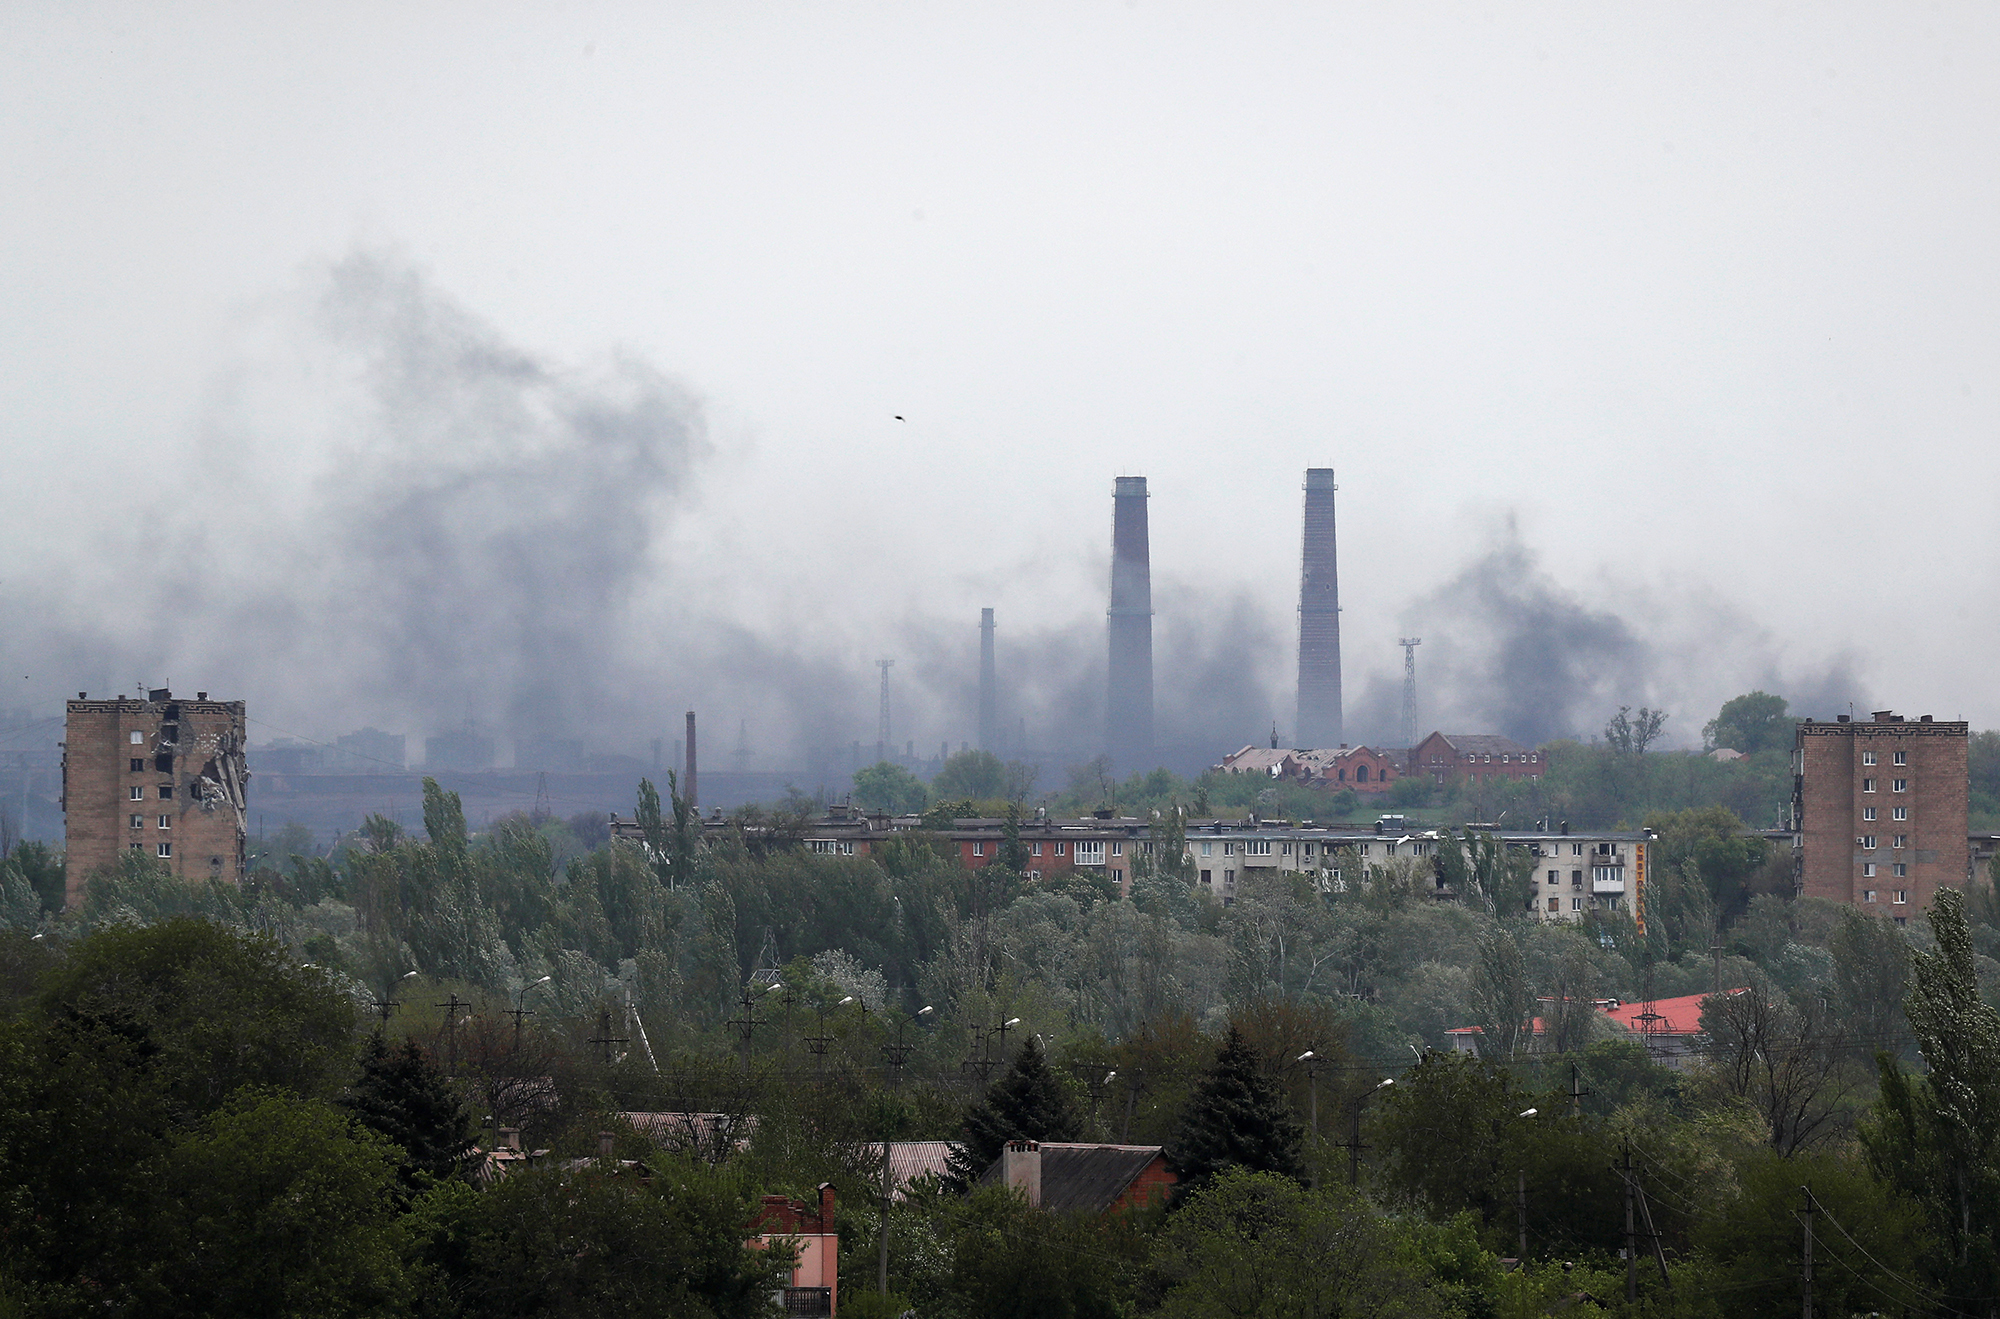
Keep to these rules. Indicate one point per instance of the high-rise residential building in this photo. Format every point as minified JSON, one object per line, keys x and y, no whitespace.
{"x":1878,"y":810}
{"x":159,"y":776}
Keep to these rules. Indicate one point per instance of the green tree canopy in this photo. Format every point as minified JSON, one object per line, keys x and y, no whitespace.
{"x":1235,"y":1118}
{"x":888,"y":787}
{"x":402,"y":1096}
{"x":1756,"y":721}
{"x":972,"y":776}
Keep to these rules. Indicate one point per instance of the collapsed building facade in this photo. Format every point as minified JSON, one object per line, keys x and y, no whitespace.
{"x":159,"y":776}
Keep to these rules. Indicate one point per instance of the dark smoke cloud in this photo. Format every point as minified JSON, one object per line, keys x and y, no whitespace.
{"x":1507,"y":649}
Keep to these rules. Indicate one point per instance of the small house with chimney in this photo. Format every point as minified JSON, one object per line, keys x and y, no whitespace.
{"x":1082,"y":1178}
{"x":814,"y":1290}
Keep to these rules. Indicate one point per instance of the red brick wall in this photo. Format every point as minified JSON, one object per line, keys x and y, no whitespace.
{"x":98,"y":781}
{"x":1835,"y":793}
{"x":1154,"y":1183}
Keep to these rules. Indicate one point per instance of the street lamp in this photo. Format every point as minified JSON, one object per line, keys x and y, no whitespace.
{"x":1354,"y":1129}
{"x":520,"y":1012}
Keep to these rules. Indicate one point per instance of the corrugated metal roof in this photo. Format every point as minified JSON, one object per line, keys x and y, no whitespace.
{"x":1085,"y":1178}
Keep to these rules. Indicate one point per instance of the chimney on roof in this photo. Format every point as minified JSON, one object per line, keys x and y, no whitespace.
{"x":1021,"y":1170}
{"x":507,"y":1138}
{"x":1319,"y":617}
{"x":826,"y":1206}
{"x":1129,"y":712}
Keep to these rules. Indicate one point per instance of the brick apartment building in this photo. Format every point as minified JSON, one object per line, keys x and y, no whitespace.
{"x":1879,"y":810}
{"x":1446,"y":757}
{"x":158,"y":776}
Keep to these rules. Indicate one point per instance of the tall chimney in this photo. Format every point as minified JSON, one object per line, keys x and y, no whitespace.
{"x":689,"y":791}
{"x":1319,"y":620}
{"x":1129,"y":712}
{"x":989,"y":728}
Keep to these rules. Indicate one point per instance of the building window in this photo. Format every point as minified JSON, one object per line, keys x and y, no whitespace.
{"x":165,"y":849}
{"x":1867,"y":870}
{"x":1576,"y":849}
{"x":1868,"y":757}
{"x":1034,"y":849}
{"x":1229,"y":878}
{"x":1900,"y":840}
{"x":1868,"y":842}
{"x":1902,"y":920}
{"x":166,"y":792}
{"x":979,"y":849}
{"x":138,"y":739}
{"x":1576,"y":904}
{"x":1902,"y":758}
{"x":1899,"y":812}
{"x":1207,"y":848}
{"x":823,"y":846}
{"x":1555,"y":904}
{"x":1868,"y":813}
{"x":1899,"y":785}
{"x":1309,"y":849}
{"x":1576,"y":879}
{"x":138,"y":822}
{"x":1868,"y":785}
{"x":1868,"y":895}
{"x":166,"y":822}
{"x":847,"y":849}
{"x":1555,"y":878}
{"x":1059,"y":848}
{"x":1229,"y":849}
{"x":1117,"y":847}
{"x":1089,"y":854}
{"x":1604,"y":874}
{"x":138,"y":765}
{"x":1034,"y":874}
{"x":138,"y":793}
{"x":1900,"y":870}
{"x":1257,"y":847}
{"x":1902,"y":896}
{"x":1208,"y":877}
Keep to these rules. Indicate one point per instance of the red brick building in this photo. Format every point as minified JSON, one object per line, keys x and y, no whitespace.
{"x":159,"y":776}
{"x":1879,"y":810}
{"x":1056,"y":846}
{"x":1446,"y":757}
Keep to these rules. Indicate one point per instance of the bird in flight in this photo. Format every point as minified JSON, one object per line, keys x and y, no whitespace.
{"x":899,"y":416}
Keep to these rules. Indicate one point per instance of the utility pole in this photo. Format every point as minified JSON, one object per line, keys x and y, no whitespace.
{"x":1806,"y":1267}
{"x":1521,"y":1210}
{"x":895,"y":1055}
{"x":883,"y":743}
{"x":451,"y":1006}
{"x":1409,"y":645}
{"x":1631,"y":1237}
{"x":1576,"y":1091}
{"x":605,"y":1038}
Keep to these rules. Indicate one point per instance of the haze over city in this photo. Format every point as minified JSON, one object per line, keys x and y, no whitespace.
{"x":569,"y":369}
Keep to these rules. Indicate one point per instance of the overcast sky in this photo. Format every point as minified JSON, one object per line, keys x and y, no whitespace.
{"x":1686,"y":312}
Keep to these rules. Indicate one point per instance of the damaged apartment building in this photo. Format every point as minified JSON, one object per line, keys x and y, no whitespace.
{"x":159,"y":776}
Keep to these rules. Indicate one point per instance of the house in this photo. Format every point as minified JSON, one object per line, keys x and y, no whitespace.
{"x":1448,"y":757}
{"x":1362,"y":768}
{"x":814,"y":1290}
{"x":1082,"y":1178}
{"x":911,"y":1161}
{"x":1670,"y":1028}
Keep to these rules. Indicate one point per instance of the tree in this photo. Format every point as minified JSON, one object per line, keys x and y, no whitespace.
{"x":889,"y":787}
{"x":1028,"y":1103}
{"x":444,"y":818}
{"x":1501,"y":994}
{"x":1787,"y":1059}
{"x":1235,"y":1119}
{"x":575,"y":1243}
{"x":1633,"y":734}
{"x":1935,"y":1138}
{"x":971,"y":776}
{"x":1255,"y":1244}
{"x":402,"y":1096}
{"x":275,"y":1206}
{"x":1010,"y":1261}
{"x":1756,"y":721}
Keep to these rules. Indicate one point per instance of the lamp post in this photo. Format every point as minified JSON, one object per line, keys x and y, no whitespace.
{"x":1521,"y":1198}
{"x":520,"y":1012}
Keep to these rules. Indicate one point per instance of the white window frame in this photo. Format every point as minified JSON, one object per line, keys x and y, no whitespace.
{"x":138,"y":739}
{"x":1868,"y":813}
{"x":1899,"y":812}
{"x":1899,"y":896}
{"x":1868,"y":757}
{"x":1900,"y":758}
{"x":138,"y":793}
{"x":1899,"y":785}
{"x":1868,"y":785}
{"x":1900,"y":870}
{"x":1867,"y":870}
{"x":166,"y":822}
{"x":1868,"y":842}
{"x":164,"y":850}
{"x":1868,"y":895}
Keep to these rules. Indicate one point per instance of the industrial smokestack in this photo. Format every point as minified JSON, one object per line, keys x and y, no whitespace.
{"x":1319,"y":619}
{"x":692,"y":798}
{"x":989,"y":728}
{"x":1129,"y":712}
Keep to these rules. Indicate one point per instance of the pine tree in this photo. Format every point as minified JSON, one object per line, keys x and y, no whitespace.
{"x":1235,"y":1118}
{"x":404,"y":1096}
{"x":1028,"y":1103}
